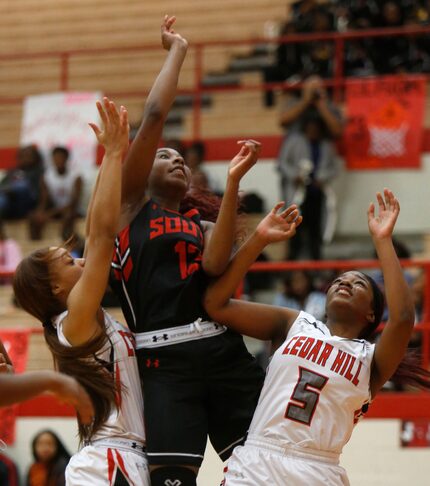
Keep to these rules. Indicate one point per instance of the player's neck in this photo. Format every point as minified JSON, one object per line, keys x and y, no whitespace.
{"x":166,"y":202}
{"x":347,"y":330}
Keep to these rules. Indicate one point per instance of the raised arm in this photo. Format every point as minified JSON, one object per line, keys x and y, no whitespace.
{"x":17,"y":388}
{"x":257,"y":320}
{"x":83,"y":303}
{"x":219,"y":237}
{"x":140,"y":157}
{"x":392,"y":345}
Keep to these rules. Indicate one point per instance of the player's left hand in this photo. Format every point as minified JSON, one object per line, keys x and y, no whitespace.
{"x":279,"y":226}
{"x":382,"y":225}
{"x":244,"y":160}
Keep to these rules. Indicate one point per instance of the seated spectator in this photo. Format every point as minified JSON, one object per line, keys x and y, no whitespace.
{"x":317,"y":56}
{"x":391,"y":54}
{"x":308,"y":164}
{"x":8,"y":472}
{"x":302,"y":59}
{"x":194,"y":158}
{"x":50,"y":461}
{"x":417,"y":289}
{"x":19,"y":189}
{"x":287,"y":64}
{"x":10,"y":254}
{"x":299,"y":293}
{"x":60,"y":194}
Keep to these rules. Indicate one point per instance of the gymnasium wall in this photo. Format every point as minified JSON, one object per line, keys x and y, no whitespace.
{"x":354,"y":190}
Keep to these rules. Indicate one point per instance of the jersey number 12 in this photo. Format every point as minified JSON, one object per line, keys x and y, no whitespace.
{"x":184,"y":249}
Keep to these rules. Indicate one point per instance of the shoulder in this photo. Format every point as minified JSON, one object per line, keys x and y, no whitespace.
{"x":306,"y":322}
{"x":130,"y":212}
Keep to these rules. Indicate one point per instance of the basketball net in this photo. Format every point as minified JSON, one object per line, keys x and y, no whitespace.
{"x":388,"y":142}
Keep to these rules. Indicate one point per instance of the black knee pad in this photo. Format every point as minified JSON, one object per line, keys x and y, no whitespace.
{"x":173,"y":476}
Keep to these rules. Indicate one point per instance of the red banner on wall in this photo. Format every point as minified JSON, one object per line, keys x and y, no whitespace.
{"x":16,"y":344}
{"x":385,"y":122}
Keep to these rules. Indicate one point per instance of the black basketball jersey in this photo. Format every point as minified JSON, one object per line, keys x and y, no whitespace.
{"x":157,"y":272}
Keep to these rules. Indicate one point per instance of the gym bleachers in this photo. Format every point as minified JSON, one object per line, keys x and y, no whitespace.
{"x":30,"y":26}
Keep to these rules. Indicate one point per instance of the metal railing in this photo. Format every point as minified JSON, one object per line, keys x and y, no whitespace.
{"x":198,"y":50}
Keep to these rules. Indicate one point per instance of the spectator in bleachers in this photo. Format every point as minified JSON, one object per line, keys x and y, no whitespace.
{"x":300,"y":60}
{"x":50,"y":461}
{"x":19,"y":189}
{"x":60,"y":195}
{"x":194,"y":157}
{"x":10,"y":254}
{"x":8,"y":472}
{"x":300,"y":293}
{"x":308,"y":162}
{"x":317,"y":56}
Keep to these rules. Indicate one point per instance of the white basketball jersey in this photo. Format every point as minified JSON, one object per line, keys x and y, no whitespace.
{"x":119,"y":352}
{"x":315,"y":389}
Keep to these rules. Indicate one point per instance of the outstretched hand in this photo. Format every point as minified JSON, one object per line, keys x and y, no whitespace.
{"x":382,"y":225}
{"x":114,"y":134}
{"x":168,"y":35}
{"x":279,"y":226}
{"x":4,"y":366}
{"x":245,"y":159}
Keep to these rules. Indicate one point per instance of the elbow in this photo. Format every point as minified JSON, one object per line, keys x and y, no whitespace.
{"x":213,"y":268}
{"x":153,"y":114}
{"x":212,"y":305}
{"x":104,"y":230}
{"x":405,"y":319}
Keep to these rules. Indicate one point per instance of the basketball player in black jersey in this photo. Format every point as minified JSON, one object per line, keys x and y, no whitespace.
{"x":162,"y":262}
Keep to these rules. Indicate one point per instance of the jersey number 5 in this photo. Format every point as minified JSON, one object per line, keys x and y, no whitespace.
{"x":183,"y":249}
{"x":305,"y":397}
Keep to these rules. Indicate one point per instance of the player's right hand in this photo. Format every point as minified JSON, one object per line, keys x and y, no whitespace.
{"x":244,"y":160}
{"x":169,"y":36}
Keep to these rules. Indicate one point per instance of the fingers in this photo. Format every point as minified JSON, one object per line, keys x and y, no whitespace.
{"x":252,"y":145}
{"x":391,"y":201}
{"x":123,"y":115}
{"x":371,"y":211}
{"x":167,"y":23}
{"x":381,"y":202}
{"x":96,"y":129}
{"x":3,"y":364}
{"x":170,"y":21}
{"x":290,"y":214}
{"x":109,"y":115}
{"x":277,"y":207}
{"x":298,"y":221}
{"x":102,"y":113}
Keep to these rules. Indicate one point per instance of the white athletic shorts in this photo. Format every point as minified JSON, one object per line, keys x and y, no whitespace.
{"x":261,"y":464}
{"x":100,"y":465}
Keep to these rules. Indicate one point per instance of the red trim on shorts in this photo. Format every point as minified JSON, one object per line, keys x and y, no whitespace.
{"x":111,"y":465}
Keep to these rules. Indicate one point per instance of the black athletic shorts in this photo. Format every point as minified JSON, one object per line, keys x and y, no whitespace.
{"x":191,"y":390}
